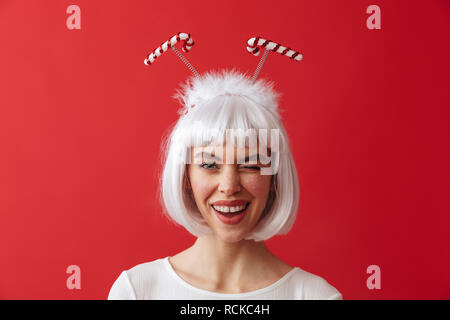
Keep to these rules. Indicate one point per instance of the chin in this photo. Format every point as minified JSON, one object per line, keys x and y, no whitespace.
{"x":230,"y":237}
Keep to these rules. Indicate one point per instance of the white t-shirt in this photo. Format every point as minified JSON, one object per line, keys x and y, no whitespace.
{"x":157,"y":280}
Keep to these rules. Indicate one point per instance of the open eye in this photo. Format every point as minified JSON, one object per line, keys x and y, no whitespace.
{"x":208,"y":165}
{"x":213,"y":165}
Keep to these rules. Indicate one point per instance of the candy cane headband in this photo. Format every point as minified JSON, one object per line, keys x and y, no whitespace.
{"x":253,"y":45}
{"x":180,"y":36}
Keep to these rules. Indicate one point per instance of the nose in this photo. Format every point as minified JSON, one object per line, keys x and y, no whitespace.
{"x":230,"y":181}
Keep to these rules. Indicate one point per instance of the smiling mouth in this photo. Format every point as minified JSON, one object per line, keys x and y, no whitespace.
{"x":227,"y":211}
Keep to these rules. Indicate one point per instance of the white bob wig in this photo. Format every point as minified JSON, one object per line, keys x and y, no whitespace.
{"x":226,"y":100}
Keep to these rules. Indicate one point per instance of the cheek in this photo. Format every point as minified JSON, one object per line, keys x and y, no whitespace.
{"x":201,"y":188}
{"x":257,"y":185}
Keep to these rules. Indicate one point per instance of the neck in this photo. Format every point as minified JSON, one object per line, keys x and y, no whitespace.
{"x":227,"y":262}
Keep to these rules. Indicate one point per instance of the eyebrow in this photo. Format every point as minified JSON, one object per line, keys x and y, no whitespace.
{"x":209,"y":155}
{"x":206,"y":155}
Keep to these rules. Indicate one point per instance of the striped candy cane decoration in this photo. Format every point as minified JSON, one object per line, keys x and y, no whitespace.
{"x":253,"y":45}
{"x":187,"y":45}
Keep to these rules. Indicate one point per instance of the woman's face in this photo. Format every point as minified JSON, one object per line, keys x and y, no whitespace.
{"x":215,"y":184}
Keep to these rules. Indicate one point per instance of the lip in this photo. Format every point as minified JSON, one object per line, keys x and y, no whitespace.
{"x":230,"y":203}
{"x":235,"y":219}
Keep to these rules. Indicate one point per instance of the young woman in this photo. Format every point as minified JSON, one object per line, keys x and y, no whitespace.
{"x":230,"y":206}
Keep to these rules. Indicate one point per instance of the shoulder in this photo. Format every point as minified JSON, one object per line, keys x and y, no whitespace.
{"x":309,"y":286}
{"x":146,"y":271}
{"x":132,"y":283}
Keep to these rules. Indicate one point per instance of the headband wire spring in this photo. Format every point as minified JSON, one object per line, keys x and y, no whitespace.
{"x":185,"y":61}
{"x":260,"y":64}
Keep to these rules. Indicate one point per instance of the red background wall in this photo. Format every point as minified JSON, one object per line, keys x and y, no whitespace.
{"x":81,"y":118}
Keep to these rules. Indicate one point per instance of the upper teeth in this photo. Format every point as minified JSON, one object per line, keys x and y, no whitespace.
{"x":228,"y":209}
